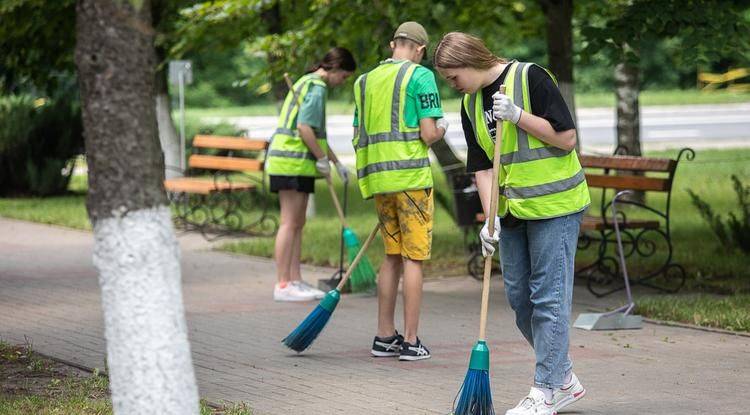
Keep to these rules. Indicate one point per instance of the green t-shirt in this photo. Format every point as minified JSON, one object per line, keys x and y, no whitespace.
{"x":422,"y":98}
{"x":313,"y":109}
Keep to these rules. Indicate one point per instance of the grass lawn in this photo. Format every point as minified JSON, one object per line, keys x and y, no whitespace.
{"x":583,"y":100}
{"x":726,"y":312}
{"x":32,"y":384}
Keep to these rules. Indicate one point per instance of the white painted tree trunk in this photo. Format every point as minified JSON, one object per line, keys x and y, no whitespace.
{"x":168,"y":137}
{"x":567,"y":90}
{"x":149,"y":363}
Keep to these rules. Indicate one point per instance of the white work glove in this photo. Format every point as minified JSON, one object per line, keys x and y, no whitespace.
{"x":442,"y":123}
{"x":323,"y":166}
{"x":504,"y":109}
{"x":489,"y":241}
{"x":343,"y":172}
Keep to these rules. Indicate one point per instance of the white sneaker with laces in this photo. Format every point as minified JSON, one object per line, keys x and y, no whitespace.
{"x":569,"y":393}
{"x":307,"y":287}
{"x":533,"y":404}
{"x":288,"y":291}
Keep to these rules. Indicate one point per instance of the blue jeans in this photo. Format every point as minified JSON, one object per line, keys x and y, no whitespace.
{"x":538,"y":264}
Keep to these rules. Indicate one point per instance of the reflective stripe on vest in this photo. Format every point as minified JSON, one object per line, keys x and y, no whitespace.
{"x":391,"y":157}
{"x":288,"y":155}
{"x":537,"y":180}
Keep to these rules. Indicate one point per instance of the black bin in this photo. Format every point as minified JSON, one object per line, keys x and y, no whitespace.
{"x":466,"y":198}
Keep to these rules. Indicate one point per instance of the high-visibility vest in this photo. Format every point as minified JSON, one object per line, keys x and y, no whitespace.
{"x":288,"y":155}
{"x":537,"y":180}
{"x":391,"y":156}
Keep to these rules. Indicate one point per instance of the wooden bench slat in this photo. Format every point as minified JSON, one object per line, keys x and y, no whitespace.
{"x":224,"y":163}
{"x":627,"y":182}
{"x":229,"y":143}
{"x":632,"y":163}
{"x":202,"y":186}
{"x":594,"y":223}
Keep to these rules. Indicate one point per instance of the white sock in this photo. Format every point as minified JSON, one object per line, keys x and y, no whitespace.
{"x":547,"y":393}
{"x":568,"y":379}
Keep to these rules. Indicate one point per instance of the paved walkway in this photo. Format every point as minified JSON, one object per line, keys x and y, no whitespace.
{"x":49,"y":293}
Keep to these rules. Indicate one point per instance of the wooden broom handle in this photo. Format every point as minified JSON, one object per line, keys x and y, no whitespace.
{"x":336,"y":200}
{"x":359,"y":256}
{"x":493,"y":213}
{"x":328,"y":176}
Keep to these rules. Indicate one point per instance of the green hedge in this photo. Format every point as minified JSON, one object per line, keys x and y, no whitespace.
{"x":39,"y":139}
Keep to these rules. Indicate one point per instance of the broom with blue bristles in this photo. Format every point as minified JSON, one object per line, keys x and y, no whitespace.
{"x":303,"y":336}
{"x":475,"y":395}
{"x":363,"y":275}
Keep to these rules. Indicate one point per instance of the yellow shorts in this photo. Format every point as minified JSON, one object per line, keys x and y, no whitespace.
{"x":406,"y":223}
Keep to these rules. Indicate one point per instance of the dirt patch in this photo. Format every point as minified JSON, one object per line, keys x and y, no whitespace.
{"x":25,"y":373}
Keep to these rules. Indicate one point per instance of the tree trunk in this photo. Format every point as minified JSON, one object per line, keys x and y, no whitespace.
{"x":628,"y":110}
{"x":135,"y":249}
{"x":628,"y":113}
{"x":272,"y":19}
{"x":168,"y":137}
{"x":559,"y":19}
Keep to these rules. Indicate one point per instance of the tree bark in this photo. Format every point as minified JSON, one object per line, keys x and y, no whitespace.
{"x":168,"y":137}
{"x":135,"y":249}
{"x":628,"y":109}
{"x":559,"y":19}
{"x":272,"y":19}
{"x":162,"y":15}
{"x":627,"y":87}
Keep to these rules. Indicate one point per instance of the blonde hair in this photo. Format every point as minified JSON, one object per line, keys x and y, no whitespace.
{"x":462,"y":50}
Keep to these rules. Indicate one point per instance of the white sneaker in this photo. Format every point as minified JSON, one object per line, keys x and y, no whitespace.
{"x":568,"y":394}
{"x":533,"y":404}
{"x":307,"y":287}
{"x":289,"y":291}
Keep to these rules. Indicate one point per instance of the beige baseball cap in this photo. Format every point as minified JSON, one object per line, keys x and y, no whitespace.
{"x":412,"y":31}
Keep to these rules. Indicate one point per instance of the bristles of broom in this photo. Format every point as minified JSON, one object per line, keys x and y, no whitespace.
{"x":475,"y":396}
{"x":363,"y":277}
{"x":302,"y":337}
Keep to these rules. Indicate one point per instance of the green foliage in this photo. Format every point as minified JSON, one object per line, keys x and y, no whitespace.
{"x":307,"y":29}
{"x":703,"y":30}
{"x":38,"y":140}
{"x":36,"y":40}
{"x":734,"y":233}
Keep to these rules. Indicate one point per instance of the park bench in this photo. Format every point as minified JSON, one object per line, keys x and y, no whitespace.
{"x":225,"y":193}
{"x":644,"y":224}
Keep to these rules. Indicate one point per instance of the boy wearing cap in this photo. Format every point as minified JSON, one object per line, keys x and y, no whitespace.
{"x":398,"y":116}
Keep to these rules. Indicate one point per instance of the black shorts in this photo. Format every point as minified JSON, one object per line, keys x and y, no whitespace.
{"x":304,"y":184}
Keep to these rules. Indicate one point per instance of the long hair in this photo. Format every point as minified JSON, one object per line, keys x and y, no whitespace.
{"x":462,"y":50}
{"x":336,"y":58}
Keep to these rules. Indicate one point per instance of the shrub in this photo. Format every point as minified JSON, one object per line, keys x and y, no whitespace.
{"x":38,"y":142}
{"x":734,"y":232}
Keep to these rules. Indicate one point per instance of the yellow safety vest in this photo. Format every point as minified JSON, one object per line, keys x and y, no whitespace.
{"x":391,"y":157}
{"x":288,"y":155}
{"x":537,"y":180}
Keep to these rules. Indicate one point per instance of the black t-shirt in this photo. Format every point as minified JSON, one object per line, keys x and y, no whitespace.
{"x":546,"y":102}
